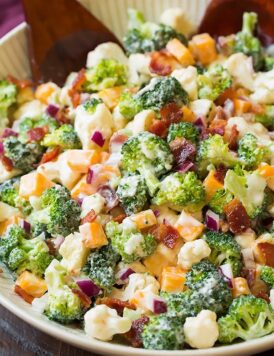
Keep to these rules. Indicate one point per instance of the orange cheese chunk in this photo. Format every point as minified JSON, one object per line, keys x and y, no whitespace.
{"x":144,"y":219}
{"x":188,"y":115}
{"x":44,"y":91}
{"x":180,"y":52}
{"x":241,"y":106}
{"x":81,"y":160}
{"x":32,"y":284}
{"x":188,"y":227}
{"x":82,"y":188}
{"x":173,"y":279}
{"x":203,"y":48}
{"x":111,"y":96}
{"x":266,"y":171}
{"x":33,"y":183}
{"x":93,"y":235}
{"x":13,"y":220}
{"x":240,"y":287}
{"x":211,"y":185}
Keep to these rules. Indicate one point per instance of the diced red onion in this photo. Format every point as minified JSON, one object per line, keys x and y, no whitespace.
{"x":1,"y":148}
{"x":200,"y":123}
{"x":212,"y":220}
{"x":26,"y":226}
{"x":88,"y":287}
{"x":226,"y":272}
{"x":98,"y":138}
{"x":248,"y":258}
{"x":52,"y":110}
{"x":8,"y":132}
{"x":185,"y":167}
{"x":156,"y":213}
{"x":80,"y":201}
{"x":159,"y":305}
{"x":122,"y":276}
{"x":89,"y":176}
{"x":111,"y":198}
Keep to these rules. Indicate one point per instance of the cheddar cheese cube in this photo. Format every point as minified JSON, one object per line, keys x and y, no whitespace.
{"x":32,"y":284}
{"x":180,"y":52}
{"x":93,"y":235}
{"x":33,"y":184}
{"x":188,"y":227}
{"x":203,"y":48}
{"x":144,"y":219}
{"x":173,"y":279}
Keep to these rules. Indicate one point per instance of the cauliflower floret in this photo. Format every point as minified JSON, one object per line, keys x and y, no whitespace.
{"x":241,"y":69}
{"x":201,"y":107}
{"x":107,"y":50}
{"x":139,"y":72}
{"x":31,"y":109}
{"x":5,"y":175}
{"x":87,"y":123}
{"x":141,"y":122}
{"x":201,"y":332}
{"x":187,"y":77}
{"x":102,"y":322}
{"x":179,"y":20}
{"x":74,"y":253}
{"x":246,"y":239}
{"x":264,"y":88}
{"x":6,"y":211}
{"x":119,"y":121}
{"x":144,"y":300}
{"x":95,"y":202}
{"x":192,"y":252}
{"x":140,"y":281}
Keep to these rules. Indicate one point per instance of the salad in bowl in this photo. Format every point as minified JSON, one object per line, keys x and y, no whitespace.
{"x":136,"y":201}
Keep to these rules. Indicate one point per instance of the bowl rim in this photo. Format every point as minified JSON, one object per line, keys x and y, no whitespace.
{"x":8,"y":36}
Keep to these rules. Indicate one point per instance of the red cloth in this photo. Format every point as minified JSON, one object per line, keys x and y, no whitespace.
{"x":11,"y":15}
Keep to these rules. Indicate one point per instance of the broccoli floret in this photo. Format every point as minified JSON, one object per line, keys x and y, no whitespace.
{"x":9,"y":194}
{"x":181,"y":304}
{"x":247,"y":43}
{"x":208,"y":288}
{"x":108,"y":73}
{"x":60,"y":212}
{"x":249,"y":189}
{"x":224,"y":249}
{"x":38,"y":229}
{"x":29,"y":123}
{"x":163,"y":332}
{"x":147,"y":154}
{"x":129,"y":242}
{"x":268,"y":63}
{"x":8,"y":94}
{"x":63,"y":305}
{"x":24,"y":156}
{"x":132,"y":193}
{"x":213,"y":82}
{"x":145,"y":36}
{"x":219,"y":200}
{"x":161,"y":91}
{"x":91,"y":104}
{"x":267,"y":118}
{"x":248,"y":318}
{"x":214,"y":151}
{"x":181,"y":190}
{"x":128,"y":106}
{"x":250,"y":152}
{"x":267,"y":275}
{"x":101,"y":266}
{"x":65,"y":137}
{"x":21,"y":253}
{"x":183,"y":129}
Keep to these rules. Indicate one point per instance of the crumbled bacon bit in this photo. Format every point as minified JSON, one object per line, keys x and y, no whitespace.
{"x":24,"y":295}
{"x":116,"y":304}
{"x":61,"y":117}
{"x":7,"y":163}
{"x":78,"y":81}
{"x":21,"y":84}
{"x":233,"y":138}
{"x":172,"y":113}
{"x":166,"y":234}
{"x":91,"y":216}
{"x":267,"y":251}
{"x":182,"y":150}
{"x":236,"y":216}
{"x":220,"y":173}
{"x":51,"y":246}
{"x":37,"y":133}
{"x":217,"y":126}
{"x":83,"y":297}
{"x":134,"y":334}
{"x":162,"y":63}
{"x":50,"y":155}
{"x":159,"y":128}
{"x":260,"y":290}
{"x":250,"y":275}
{"x":119,"y":218}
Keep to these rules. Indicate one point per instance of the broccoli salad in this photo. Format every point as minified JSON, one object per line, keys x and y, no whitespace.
{"x":137,"y":200}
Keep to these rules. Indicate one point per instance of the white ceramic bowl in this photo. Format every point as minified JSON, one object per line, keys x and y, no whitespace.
{"x":14,"y":61}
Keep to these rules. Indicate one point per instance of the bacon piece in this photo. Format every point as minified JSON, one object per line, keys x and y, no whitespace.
{"x":21,"y":84}
{"x":182,"y":150}
{"x":159,"y":128}
{"x":78,"y":81}
{"x":51,"y":246}
{"x":250,"y":275}
{"x":61,"y":116}
{"x":91,"y":216}
{"x":119,"y":218}
{"x":110,"y":196}
{"x":233,"y":138}
{"x":85,"y":300}
{"x":7,"y":163}
{"x":134,"y":334}
{"x":267,"y":252}
{"x":162,"y":63}
{"x":166,"y":234}
{"x":37,"y":133}
{"x":220,"y":173}
{"x":217,"y":126}
{"x":24,"y":295}
{"x":116,"y":304}
{"x":50,"y":155}
{"x":260,"y":290}
{"x":236,"y":216}
{"x":172,"y":113}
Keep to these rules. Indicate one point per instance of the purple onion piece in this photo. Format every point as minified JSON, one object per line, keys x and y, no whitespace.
{"x":111,"y":198}
{"x":8,"y":132}
{"x":52,"y":110}
{"x":227,"y":274}
{"x":185,"y":167}
{"x":200,"y":123}
{"x":89,"y":176}
{"x":1,"y":148}
{"x":159,"y":306}
{"x":212,"y":220}
{"x":26,"y":226}
{"x":125,"y":273}
{"x":98,"y":138}
{"x":88,"y":287}
{"x":156,"y":213}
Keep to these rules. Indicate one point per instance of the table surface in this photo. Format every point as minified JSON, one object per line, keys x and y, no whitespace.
{"x":19,"y":338}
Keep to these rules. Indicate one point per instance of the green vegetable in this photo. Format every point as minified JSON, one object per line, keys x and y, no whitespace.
{"x":8,"y":94}
{"x":30,"y":123}
{"x":91,"y":105}
{"x":268,"y":63}
{"x":65,"y":137}
{"x":183,"y":129}
{"x":108,"y":73}
{"x":248,"y":318}
{"x":20,"y":253}
{"x":213,"y":82}
{"x":250,"y":152}
{"x":219,"y":200}
{"x":181,"y":304}
{"x":267,"y":275}
{"x":224,"y":249}
{"x":128,"y":106}
{"x":132,"y":193}
{"x":267,"y":118}
{"x":129,"y":242}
